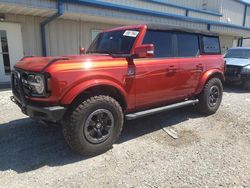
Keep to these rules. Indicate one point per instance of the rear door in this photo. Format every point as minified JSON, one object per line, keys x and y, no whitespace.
{"x":156,"y":77}
{"x":190,"y":63}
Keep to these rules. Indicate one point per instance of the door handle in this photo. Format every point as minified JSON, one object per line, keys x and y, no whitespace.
{"x":171,"y":69}
{"x":199,"y":68}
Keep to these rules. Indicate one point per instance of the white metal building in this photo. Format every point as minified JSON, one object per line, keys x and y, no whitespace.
{"x":57,"y":27}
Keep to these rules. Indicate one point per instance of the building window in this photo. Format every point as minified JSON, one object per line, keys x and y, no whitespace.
{"x":5,"y":51}
{"x":94,"y":33}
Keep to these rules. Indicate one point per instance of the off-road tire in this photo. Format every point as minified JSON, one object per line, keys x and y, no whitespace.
{"x":73,"y":128}
{"x":204,"y":106}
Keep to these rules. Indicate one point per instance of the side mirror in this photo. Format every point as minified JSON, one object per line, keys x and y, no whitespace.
{"x":82,"y":50}
{"x":145,"y":51}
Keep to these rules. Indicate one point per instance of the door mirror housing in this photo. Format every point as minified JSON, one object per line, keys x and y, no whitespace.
{"x":145,"y":51}
{"x":82,"y":50}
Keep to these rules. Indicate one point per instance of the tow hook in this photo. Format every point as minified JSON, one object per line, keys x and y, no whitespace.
{"x":22,"y":106}
{"x":24,"y":110}
{"x":13,"y":99}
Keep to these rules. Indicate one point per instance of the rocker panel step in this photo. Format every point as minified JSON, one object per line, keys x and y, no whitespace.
{"x":160,"y":109}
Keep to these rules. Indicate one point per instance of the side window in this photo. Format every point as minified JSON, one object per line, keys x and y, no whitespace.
{"x":162,"y":42}
{"x":211,"y":45}
{"x":187,"y":45}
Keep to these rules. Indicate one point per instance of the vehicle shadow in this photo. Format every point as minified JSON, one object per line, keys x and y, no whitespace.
{"x":234,"y":88}
{"x":26,"y":145}
{"x":139,"y":127}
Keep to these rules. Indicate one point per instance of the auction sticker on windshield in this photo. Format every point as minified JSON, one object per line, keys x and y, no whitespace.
{"x":130,"y":33}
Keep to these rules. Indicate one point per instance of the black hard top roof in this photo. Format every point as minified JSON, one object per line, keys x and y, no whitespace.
{"x":180,"y":29}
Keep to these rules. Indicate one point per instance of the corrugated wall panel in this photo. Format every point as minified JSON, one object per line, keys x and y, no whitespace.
{"x":203,"y":16}
{"x":30,"y":32}
{"x":125,"y":16}
{"x":148,"y":5}
{"x":212,"y":5}
{"x":33,"y":3}
{"x":233,"y":12}
{"x":230,"y":31}
{"x":248,"y":17}
{"x":246,"y":43}
{"x":62,"y":36}
{"x":226,"y":42}
{"x":66,"y":36}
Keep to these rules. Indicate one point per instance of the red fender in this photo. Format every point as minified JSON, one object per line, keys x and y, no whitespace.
{"x":205,"y":77}
{"x":78,"y":89}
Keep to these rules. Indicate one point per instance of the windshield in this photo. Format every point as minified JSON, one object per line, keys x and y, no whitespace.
{"x":238,"y":53}
{"x":114,"y":42}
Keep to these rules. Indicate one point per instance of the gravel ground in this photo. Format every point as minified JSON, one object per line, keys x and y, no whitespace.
{"x":211,"y":151}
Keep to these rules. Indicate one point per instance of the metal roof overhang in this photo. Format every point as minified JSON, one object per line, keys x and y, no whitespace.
{"x":23,"y":9}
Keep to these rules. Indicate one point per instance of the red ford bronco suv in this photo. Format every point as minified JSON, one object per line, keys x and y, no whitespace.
{"x":127,"y":73}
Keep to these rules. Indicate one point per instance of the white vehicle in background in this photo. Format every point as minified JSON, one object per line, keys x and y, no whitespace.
{"x":238,"y":66}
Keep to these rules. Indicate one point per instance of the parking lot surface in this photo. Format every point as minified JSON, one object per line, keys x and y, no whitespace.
{"x":210,"y":151}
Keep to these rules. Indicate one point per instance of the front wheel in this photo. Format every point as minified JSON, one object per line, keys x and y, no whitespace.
{"x":211,"y":96}
{"x":94,"y":125}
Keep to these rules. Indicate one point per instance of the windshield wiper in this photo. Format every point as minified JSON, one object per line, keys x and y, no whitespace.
{"x":111,"y":54}
{"x":122,"y":55}
{"x":98,"y":52}
{"x":104,"y":52}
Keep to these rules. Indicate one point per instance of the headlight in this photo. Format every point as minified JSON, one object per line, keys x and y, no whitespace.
{"x":245,"y":70}
{"x":37,"y":83}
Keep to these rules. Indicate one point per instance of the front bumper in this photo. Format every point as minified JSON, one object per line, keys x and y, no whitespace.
{"x":34,"y":110}
{"x":245,"y":77}
{"x":52,"y":113}
{"x":237,"y":78}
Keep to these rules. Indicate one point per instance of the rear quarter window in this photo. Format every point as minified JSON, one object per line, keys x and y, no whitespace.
{"x":210,"y":45}
{"x":187,"y":45}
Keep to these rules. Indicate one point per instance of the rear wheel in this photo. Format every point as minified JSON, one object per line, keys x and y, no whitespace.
{"x":94,"y":125}
{"x":211,"y":96}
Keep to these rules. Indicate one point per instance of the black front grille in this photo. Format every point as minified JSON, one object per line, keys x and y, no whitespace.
{"x":232,"y":70}
{"x":15,"y":83}
{"x":26,"y":87}
{"x":19,"y":88}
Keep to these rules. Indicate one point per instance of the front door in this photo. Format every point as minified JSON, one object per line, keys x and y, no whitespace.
{"x":156,"y":77}
{"x":155,"y":81}
{"x":11,"y":48}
